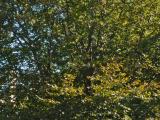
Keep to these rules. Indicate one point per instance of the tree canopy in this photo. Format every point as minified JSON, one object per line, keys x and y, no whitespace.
{"x":79,"y":59}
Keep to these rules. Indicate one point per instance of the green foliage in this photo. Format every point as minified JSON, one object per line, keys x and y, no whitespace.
{"x":79,"y":59}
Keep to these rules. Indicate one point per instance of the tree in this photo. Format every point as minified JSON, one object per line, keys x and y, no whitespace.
{"x":41,"y":42}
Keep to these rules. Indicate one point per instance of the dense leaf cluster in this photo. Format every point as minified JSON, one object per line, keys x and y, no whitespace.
{"x":79,"y":59}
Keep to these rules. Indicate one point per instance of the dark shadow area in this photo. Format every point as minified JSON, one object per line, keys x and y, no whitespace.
{"x":138,"y":109}
{"x":87,"y":108}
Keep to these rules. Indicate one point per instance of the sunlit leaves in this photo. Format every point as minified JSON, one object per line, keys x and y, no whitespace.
{"x":113,"y":44}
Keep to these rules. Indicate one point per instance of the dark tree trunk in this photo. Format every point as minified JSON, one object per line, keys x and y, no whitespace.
{"x":88,"y":87}
{"x":82,"y":78}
